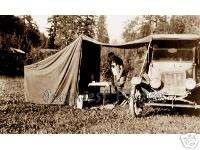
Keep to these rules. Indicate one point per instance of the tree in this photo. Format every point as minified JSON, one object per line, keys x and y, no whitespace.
{"x":177,"y":24}
{"x":31,"y":35}
{"x":52,"y":32}
{"x":68,"y":28}
{"x":19,"y":32}
{"x":138,"y":27}
{"x":102,"y":33}
{"x":10,"y":26}
{"x":157,"y":24}
{"x":51,"y":40}
{"x":23,"y":33}
{"x":44,"y":40}
{"x":145,"y":30}
{"x":185,"y":24}
{"x":130,"y":31}
{"x":142,"y":26}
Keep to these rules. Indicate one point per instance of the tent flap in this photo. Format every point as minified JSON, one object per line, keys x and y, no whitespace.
{"x":55,"y":79}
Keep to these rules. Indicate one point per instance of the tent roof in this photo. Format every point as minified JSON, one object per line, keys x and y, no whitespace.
{"x":153,"y":37}
{"x":128,"y":44}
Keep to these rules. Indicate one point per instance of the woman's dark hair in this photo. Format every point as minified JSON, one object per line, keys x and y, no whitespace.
{"x":111,"y":54}
{"x":113,"y":58}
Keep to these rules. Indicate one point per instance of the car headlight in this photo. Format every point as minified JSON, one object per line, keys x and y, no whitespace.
{"x":190,"y":83}
{"x":155,"y":83}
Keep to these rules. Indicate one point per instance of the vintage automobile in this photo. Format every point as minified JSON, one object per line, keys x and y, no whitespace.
{"x":170,"y":73}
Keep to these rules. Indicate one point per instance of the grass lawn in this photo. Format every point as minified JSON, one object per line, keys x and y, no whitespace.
{"x":17,"y":116}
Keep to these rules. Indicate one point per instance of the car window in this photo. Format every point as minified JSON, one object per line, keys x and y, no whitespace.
{"x":178,"y":55}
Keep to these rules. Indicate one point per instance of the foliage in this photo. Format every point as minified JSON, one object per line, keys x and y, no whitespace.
{"x":34,"y":56}
{"x":10,"y":24}
{"x":130,"y":30}
{"x":101,"y":31}
{"x":19,"y":32}
{"x":52,"y":32}
{"x":31,"y":34}
{"x":142,"y":26}
{"x":44,"y":40}
{"x":11,"y":27}
{"x":67,"y":28}
{"x":157,"y":24}
{"x":185,"y":24}
{"x":177,"y":25}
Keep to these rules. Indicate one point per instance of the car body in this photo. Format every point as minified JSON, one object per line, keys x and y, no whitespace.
{"x":172,"y":66}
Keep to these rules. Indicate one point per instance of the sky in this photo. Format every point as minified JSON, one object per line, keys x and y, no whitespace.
{"x":115,"y":24}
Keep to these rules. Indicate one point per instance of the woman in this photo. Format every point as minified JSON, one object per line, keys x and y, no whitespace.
{"x":119,"y":76}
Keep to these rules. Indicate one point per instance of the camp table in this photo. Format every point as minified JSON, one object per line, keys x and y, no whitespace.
{"x":101,"y":84}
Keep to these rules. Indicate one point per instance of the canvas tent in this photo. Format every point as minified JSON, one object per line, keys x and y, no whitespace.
{"x":59,"y":78}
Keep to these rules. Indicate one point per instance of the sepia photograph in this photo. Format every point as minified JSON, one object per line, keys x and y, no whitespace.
{"x":99,"y":74}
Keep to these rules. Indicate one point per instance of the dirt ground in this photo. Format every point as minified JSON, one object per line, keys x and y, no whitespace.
{"x":17,"y":116}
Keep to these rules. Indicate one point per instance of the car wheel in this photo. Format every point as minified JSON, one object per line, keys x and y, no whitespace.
{"x":133,"y":107}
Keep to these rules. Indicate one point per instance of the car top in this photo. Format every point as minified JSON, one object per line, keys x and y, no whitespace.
{"x":148,"y":39}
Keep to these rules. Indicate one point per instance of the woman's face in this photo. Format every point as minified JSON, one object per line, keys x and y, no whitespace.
{"x":113,"y":65}
{"x":115,"y":68}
